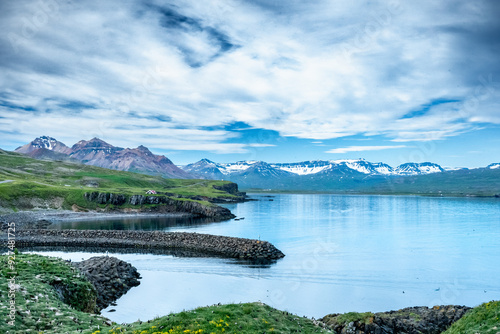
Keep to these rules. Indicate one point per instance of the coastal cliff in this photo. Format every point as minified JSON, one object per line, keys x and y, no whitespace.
{"x":161,"y":204}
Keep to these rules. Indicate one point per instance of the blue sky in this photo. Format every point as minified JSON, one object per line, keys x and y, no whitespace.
{"x":279,"y":81}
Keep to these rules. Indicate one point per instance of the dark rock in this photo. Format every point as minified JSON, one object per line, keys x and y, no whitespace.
{"x":103,"y":198}
{"x":111,"y":277}
{"x":163,"y":204}
{"x":241,"y":248}
{"x":411,"y":320}
{"x":117,"y":199}
{"x":231,"y":188}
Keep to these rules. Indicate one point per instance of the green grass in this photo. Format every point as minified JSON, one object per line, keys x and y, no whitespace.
{"x":233,"y":318}
{"x":40,"y":309}
{"x":39,"y":306}
{"x":346,"y":318}
{"x":49,"y":180}
{"x":484,"y":319}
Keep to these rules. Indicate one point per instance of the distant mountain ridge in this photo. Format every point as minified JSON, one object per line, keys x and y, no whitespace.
{"x":343,"y":176}
{"x":339,"y":176}
{"x":213,"y":169}
{"x":97,"y":152}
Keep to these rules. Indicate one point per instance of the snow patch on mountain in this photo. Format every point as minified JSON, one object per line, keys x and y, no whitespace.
{"x":303,"y":168}
{"x":418,"y":168}
{"x":236,"y":167}
{"x":494,"y":166}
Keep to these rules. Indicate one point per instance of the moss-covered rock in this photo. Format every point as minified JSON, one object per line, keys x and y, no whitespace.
{"x":48,"y":295}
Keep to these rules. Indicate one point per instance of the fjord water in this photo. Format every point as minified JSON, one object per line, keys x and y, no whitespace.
{"x":343,"y":253}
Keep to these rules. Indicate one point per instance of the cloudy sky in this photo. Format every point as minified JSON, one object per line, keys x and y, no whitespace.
{"x":272,"y":80}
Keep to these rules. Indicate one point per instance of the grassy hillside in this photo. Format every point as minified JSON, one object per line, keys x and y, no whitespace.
{"x":62,"y":184}
{"x":50,"y":297}
{"x":484,"y":319}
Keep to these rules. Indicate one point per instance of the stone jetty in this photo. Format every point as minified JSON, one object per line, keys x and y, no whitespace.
{"x":239,"y":248}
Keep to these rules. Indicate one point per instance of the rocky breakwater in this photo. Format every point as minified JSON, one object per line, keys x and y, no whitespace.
{"x":161,"y":204}
{"x":411,"y":320}
{"x":240,"y":248}
{"x":111,"y":277}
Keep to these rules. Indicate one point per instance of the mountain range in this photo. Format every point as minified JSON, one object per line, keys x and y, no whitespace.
{"x":353,"y":176}
{"x":210,"y":169}
{"x":97,"y":152}
{"x":320,"y":175}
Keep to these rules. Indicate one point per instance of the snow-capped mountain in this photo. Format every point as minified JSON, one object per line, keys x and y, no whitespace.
{"x":310,"y":175}
{"x":418,"y":168}
{"x":211,"y":170}
{"x":314,"y":167}
{"x":44,"y":142}
{"x":218,"y":170}
{"x":494,"y":166}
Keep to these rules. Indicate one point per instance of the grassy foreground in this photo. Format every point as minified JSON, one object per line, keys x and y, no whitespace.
{"x":233,"y":318}
{"x":51,"y":298}
{"x":57,"y":184}
{"x":484,"y":319}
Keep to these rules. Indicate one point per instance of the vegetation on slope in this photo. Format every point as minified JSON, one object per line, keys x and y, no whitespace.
{"x":63,"y":184}
{"x":247,"y":318}
{"x":484,"y":319}
{"x":50,"y":296}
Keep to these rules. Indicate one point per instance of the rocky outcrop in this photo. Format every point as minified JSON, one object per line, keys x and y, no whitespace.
{"x":111,"y":277}
{"x":161,"y":204}
{"x":411,"y":320}
{"x":240,"y":248}
{"x":231,"y":188}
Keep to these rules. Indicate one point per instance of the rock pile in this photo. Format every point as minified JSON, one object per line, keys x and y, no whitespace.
{"x":411,"y":320}
{"x":111,"y":277}
{"x":240,"y":248}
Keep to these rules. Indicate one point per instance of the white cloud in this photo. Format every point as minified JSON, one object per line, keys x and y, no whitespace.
{"x":318,"y":70}
{"x":362,"y":149}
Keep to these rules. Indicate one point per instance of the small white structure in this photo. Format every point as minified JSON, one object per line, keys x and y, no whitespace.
{"x":150,"y":192}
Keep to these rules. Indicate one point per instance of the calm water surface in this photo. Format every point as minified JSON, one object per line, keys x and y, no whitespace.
{"x":343,"y":253}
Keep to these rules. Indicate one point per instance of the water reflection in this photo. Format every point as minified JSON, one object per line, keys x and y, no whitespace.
{"x":159,"y":223}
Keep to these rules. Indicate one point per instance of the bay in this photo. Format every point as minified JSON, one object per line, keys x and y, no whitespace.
{"x":343,"y":253}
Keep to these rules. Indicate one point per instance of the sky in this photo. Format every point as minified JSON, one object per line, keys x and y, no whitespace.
{"x":272,"y":80}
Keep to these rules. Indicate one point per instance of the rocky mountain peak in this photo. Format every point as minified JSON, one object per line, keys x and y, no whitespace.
{"x":97,"y":152}
{"x":94,"y":142}
{"x":143,"y":150}
{"x":43,"y":143}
